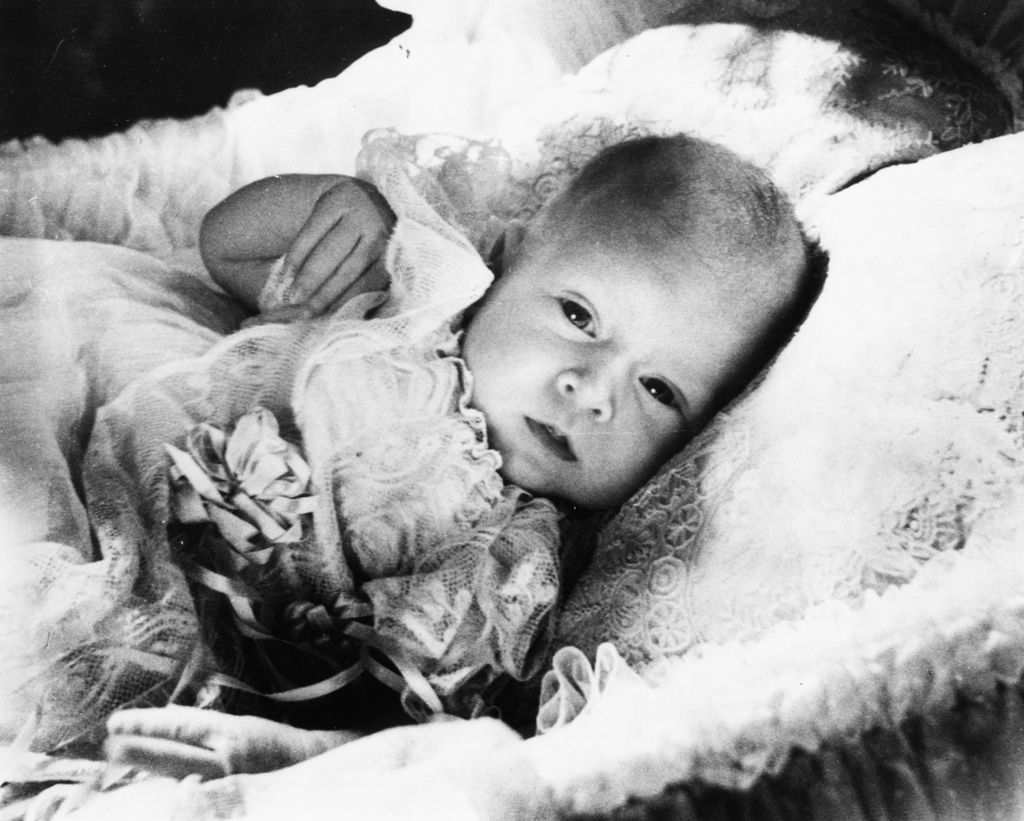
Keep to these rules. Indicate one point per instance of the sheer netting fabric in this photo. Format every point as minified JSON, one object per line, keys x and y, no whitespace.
{"x":409,"y":514}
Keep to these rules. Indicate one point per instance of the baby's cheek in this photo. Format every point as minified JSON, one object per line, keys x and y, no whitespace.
{"x":518,"y":470}
{"x":625,"y":476}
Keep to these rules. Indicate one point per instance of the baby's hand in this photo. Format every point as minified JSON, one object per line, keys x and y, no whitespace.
{"x":338,"y":253}
{"x":179,"y":741}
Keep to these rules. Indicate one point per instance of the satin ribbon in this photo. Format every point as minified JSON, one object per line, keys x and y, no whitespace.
{"x":408,"y":676}
{"x":254,"y":486}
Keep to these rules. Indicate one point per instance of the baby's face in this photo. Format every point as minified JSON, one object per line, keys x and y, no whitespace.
{"x":591,"y":371}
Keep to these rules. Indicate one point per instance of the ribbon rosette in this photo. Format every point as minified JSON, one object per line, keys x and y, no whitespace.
{"x":254,"y":486}
{"x":251,"y":483}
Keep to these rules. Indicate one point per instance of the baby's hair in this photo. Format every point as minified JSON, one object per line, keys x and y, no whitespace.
{"x":675,"y":194}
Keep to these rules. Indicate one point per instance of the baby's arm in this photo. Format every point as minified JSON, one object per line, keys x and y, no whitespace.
{"x":178,"y":741}
{"x":330,"y":229}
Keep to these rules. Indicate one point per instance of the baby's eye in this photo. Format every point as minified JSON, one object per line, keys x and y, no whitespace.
{"x":659,"y":390}
{"x":577,"y":314}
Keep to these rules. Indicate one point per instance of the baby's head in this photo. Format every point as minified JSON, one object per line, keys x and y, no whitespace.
{"x":637,"y":303}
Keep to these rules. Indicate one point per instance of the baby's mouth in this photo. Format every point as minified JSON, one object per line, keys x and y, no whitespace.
{"x":552,"y":439}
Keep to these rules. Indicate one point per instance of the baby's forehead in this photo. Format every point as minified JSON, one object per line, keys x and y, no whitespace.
{"x":673,"y":271}
{"x":667,"y":281}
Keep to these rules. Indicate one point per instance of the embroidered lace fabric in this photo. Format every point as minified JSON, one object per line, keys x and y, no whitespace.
{"x":691,"y":558}
{"x":908,"y":67}
{"x":411,"y":514}
{"x":865,"y":452}
{"x":887,"y":428}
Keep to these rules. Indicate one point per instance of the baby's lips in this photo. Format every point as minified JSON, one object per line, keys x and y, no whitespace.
{"x":553,"y":438}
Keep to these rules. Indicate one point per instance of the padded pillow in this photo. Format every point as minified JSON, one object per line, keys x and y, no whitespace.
{"x":887,"y":426}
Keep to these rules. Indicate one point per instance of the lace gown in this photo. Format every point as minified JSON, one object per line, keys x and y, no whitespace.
{"x":403,"y":541}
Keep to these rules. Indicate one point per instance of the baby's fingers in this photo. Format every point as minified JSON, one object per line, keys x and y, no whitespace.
{"x":375,"y":278}
{"x":187,"y":724}
{"x":164,"y":756}
{"x":320,"y":224}
{"x":361,"y":272}
{"x":285,"y":313}
{"x":331,"y":267}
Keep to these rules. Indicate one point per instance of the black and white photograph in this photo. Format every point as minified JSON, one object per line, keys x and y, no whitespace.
{"x":512,"y":410}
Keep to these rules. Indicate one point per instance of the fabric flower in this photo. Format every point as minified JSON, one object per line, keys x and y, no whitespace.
{"x":251,"y":483}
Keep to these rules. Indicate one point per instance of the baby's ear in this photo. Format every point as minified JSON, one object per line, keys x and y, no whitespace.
{"x":511,"y":241}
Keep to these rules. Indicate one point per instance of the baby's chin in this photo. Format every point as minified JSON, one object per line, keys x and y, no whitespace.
{"x":574,"y":485}
{"x":599,"y":498}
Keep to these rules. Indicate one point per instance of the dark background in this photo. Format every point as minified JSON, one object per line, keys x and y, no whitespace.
{"x":88,"y":67}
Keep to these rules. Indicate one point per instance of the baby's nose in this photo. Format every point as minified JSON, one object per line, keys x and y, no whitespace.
{"x":588,"y":390}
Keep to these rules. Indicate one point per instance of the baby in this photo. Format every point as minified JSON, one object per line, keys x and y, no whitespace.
{"x":629,"y":310}
{"x":634,"y":306}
